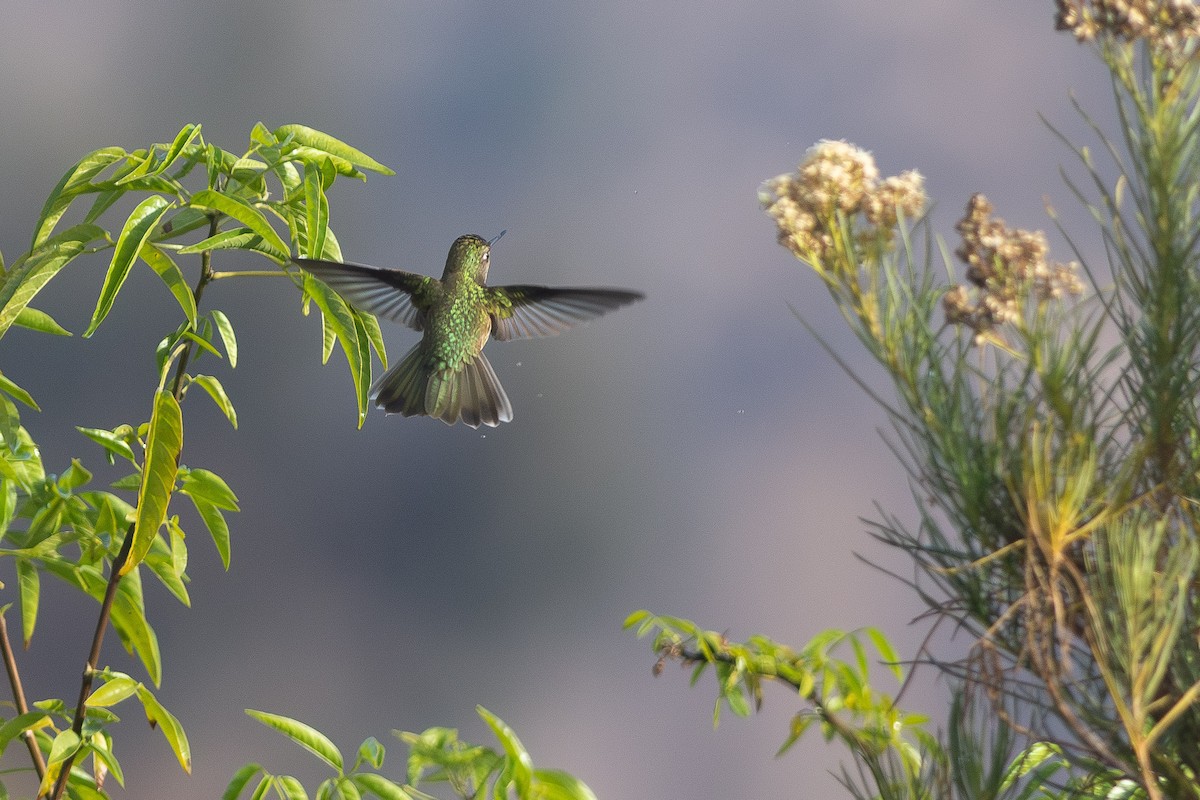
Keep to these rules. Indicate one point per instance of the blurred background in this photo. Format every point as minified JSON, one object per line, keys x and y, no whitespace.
{"x":696,"y":454}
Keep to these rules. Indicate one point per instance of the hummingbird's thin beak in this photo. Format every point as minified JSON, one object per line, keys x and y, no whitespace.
{"x":496,"y":238}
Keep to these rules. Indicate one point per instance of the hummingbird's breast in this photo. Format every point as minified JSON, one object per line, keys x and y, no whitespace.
{"x":458,"y":326}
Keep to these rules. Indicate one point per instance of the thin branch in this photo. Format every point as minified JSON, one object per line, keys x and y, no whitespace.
{"x":206,"y":276}
{"x":89,"y":670}
{"x":14,"y":680}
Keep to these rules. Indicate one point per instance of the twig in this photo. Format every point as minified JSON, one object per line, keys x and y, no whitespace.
{"x":89,"y":670}
{"x":14,"y":680}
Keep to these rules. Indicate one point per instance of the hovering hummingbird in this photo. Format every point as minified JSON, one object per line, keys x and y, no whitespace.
{"x":446,"y":374}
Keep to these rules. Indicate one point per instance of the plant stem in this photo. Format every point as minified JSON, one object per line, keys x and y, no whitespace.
{"x":14,"y":680}
{"x":206,"y":277}
{"x":89,"y":670}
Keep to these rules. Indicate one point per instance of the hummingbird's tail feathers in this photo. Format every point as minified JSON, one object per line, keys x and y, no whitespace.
{"x":401,"y":390}
{"x":416,"y":387}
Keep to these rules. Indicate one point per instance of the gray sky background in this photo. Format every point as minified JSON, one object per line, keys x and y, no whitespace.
{"x":696,"y":454}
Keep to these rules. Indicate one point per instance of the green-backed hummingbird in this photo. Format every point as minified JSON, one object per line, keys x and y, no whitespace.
{"x":446,"y":375}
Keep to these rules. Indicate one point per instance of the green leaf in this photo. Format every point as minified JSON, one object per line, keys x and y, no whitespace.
{"x":10,"y":424}
{"x":337,"y":315}
{"x":246,"y":214}
{"x":375,"y":336}
{"x":209,"y":487}
{"x":552,"y":784}
{"x":129,"y":621}
{"x":133,"y":236}
{"x":172,"y":276}
{"x":163,"y":445}
{"x":156,"y":714}
{"x":217,"y":392}
{"x":316,"y":212}
{"x":27,"y":277}
{"x":39,"y":321}
{"x":225,"y":328}
{"x":362,"y":386}
{"x":65,"y":744}
{"x":886,"y":652}
{"x":324,"y":142}
{"x":218,"y":528}
{"x":116,"y":688}
{"x":372,"y":752}
{"x":110,"y":441}
{"x":69,"y":187}
{"x":16,"y":392}
{"x":236,"y":239}
{"x":14,"y":727}
{"x":519,"y":764}
{"x":306,"y":736}
{"x":380,"y":786}
{"x":29,"y":582}
{"x":239,"y":781}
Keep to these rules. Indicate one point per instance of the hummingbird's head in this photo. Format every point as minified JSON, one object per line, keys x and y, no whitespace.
{"x":469,"y":257}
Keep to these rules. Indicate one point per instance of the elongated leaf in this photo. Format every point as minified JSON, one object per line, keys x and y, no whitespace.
{"x":520,"y":765}
{"x":317,"y":140}
{"x":163,"y":445}
{"x":184,"y":138}
{"x":68,"y":188}
{"x":233,"y":239}
{"x":217,"y":392}
{"x":371,"y":326}
{"x":172,"y":276}
{"x":116,"y":688}
{"x":30,"y":720}
{"x":39,"y":321}
{"x":141,"y":223}
{"x":156,"y":714}
{"x":16,"y":392}
{"x":29,"y":582}
{"x":210,"y":487}
{"x":218,"y":528}
{"x":337,"y":315}
{"x":380,"y":786}
{"x":225,"y":328}
{"x":244,"y":213}
{"x":10,"y":424}
{"x":129,"y":621}
{"x":552,"y":784}
{"x":362,"y":385}
{"x":316,"y":212}
{"x":306,"y":736}
{"x":65,"y":745}
{"x":26,"y":279}
{"x":117,"y":445}
{"x":233,"y":790}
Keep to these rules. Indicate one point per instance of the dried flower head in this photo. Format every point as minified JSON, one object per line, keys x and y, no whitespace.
{"x":1007,"y":267}
{"x":837,"y":178}
{"x":1161,"y":22}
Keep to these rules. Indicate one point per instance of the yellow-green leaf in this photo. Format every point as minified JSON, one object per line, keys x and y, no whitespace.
{"x":244,"y":213}
{"x":317,"y":140}
{"x":141,"y":223}
{"x":164,"y":442}
{"x":172,"y":276}
{"x":156,"y":714}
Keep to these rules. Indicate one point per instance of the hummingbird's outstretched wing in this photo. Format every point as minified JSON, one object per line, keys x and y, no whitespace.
{"x":523,"y":312}
{"x":389,"y":293}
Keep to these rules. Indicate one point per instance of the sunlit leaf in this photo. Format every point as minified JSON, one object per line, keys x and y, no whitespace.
{"x":141,"y":223}
{"x":239,"y":781}
{"x":29,"y":584}
{"x":39,"y":321}
{"x":27,"y":277}
{"x":316,"y":210}
{"x":552,"y":784}
{"x":209,"y":487}
{"x":16,"y":392}
{"x":113,"y":443}
{"x":68,"y":188}
{"x":116,"y":688}
{"x":306,"y":736}
{"x":324,"y":142}
{"x":163,"y":445}
{"x":218,"y":528}
{"x":217,"y":392}
{"x":520,"y":765}
{"x":172,"y":276}
{"x":244,"y":213}
{"x":225,"y":328}
{"x":156,"y":714}
{"x":380,"y":786}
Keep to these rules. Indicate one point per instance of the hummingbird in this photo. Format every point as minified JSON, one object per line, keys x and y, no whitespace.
{"x":446,"y":375}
